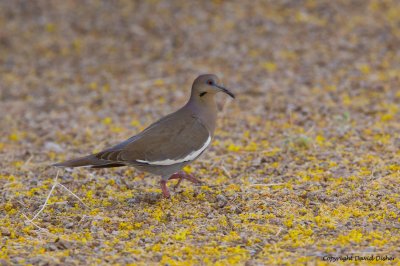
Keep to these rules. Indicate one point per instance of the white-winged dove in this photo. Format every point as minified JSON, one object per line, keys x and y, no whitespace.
{"x":169,"y":144}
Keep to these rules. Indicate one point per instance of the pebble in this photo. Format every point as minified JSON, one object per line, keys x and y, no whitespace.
{"x":221,"y":201}
{"x":52,"y":146}
{"x":69,"y":225}
{"x":5,"y":232}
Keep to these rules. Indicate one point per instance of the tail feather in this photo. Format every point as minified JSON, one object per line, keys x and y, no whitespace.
{"x":89,"y":160}
{"x":110,"y":165}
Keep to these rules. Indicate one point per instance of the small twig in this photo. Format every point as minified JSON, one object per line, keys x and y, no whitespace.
{"x":82,"y":219}
{"x":37,"y":226}
{"x":27,"y":161}
{"x":279,"y":231}
{"x":226,"y":172}
{"x":234,"y":198}
{"x":73,"y":194}
{"x":272,"y":200}
{"x":229,"y":222}
{"x":311,"y":129}
{"x":58,"y":203}
{"x":47,"y":199}
{"x":267,"y":185}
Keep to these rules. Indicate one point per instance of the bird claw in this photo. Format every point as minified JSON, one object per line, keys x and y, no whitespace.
{"x":180,"y":176}
{"x":183,"y":175}
{"x":177,"y":184}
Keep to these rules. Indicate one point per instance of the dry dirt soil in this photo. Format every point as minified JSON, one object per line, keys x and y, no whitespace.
{"x":304,"y":163}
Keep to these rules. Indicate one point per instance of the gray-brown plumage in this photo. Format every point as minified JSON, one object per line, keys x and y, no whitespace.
{"x":169,"y":144}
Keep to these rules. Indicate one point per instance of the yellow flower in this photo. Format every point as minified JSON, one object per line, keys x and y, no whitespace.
{"x":13,"y":137}
{"x":181,"y":234}
{"x":269,"y":66}
{"x":107,"y":120}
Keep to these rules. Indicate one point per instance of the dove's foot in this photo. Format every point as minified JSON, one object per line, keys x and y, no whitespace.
{"x":180,"y":176}
{"x":183,"y":175}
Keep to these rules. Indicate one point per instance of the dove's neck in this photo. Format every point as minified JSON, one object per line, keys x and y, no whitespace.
{"x":205,"y":109}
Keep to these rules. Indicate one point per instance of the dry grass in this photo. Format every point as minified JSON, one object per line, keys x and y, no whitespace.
{"x":305,"y":163}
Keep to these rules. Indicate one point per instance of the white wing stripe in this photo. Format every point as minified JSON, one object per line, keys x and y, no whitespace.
{"x":189,"y":157}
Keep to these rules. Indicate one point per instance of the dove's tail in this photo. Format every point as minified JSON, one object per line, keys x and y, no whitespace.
{"x":89,"y":161}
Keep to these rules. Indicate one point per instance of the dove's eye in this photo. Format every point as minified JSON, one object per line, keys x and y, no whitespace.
{"x":210,"y":82}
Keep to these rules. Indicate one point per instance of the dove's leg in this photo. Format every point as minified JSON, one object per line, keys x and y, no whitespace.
{"x":183,"y":175}
{"x":164,"y":188}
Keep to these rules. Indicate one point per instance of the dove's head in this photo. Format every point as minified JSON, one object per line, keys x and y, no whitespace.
{"x":208,"y":85}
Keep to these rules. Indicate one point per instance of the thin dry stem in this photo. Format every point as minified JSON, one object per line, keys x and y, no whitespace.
{"x":37,"y":226}
{"x":73,"y":194}
{"x":267,"y":185}
{"x":47,"y":199}
{"x":226,"y":171}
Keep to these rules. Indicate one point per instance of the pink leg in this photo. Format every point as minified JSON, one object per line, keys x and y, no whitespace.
{"x":164,"y":189}
{"x":182,"y":175}
{"x":192,"y":179}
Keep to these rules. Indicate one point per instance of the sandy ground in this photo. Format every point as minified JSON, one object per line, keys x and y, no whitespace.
{"x":304,"y":164}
